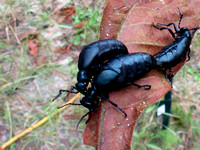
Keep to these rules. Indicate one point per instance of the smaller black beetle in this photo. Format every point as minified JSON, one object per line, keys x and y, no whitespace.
{"x":175,"y":52}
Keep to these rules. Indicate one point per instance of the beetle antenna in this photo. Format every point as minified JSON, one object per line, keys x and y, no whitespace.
{"x":71,"y":90}
{"x":181,"y":16}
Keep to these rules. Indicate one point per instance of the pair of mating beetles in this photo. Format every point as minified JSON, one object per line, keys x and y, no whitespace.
{"x":108,"y":66}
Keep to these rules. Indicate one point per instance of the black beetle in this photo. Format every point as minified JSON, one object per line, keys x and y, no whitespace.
{"x":115,"y":74}
{"x":91,"y":58}
{"x":175,"y":52}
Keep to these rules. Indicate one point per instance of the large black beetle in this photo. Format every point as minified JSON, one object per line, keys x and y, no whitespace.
{"x":115,"y":74}
{"x":91,"y":58}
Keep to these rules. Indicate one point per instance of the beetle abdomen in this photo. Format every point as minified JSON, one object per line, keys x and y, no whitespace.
{"x":173,"y":54}
{"x":100,"y":51}
{"x":120,"y":71}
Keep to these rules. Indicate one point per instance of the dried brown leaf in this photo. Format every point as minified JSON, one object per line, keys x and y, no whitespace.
{"x":130,"y":21}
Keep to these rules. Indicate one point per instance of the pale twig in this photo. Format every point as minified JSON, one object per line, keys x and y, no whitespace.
{"x":38,"y":124}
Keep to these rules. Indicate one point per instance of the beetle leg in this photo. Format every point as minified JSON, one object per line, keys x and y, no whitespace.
{"x":71,"y":90}
{"x":168,"y":77}
{"x":163,"y":28}
{"x":188,"y":54}
{"x":195,"y":29}
{"x":90,"y":116}
{"x":167,"y":25}
{"x":60,"y":93}
{"x":88,"y":113}
{"x":113,"y":104}
{"x":146,"y":87}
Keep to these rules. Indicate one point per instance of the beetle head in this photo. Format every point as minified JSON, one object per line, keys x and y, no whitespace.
{"x":184,"y":32}
{"x":81,"y":87}
{"x":89,"y":101}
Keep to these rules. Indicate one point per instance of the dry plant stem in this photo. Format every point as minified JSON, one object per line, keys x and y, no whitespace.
{"x":18,"y":42}
{"x":7,"y":34}
{"x":41,"y":122}
{"x":188,"y":136}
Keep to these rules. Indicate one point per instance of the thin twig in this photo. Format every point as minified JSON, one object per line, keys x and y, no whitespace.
{"x":18,"y":41}
{"x":38,"y":124}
